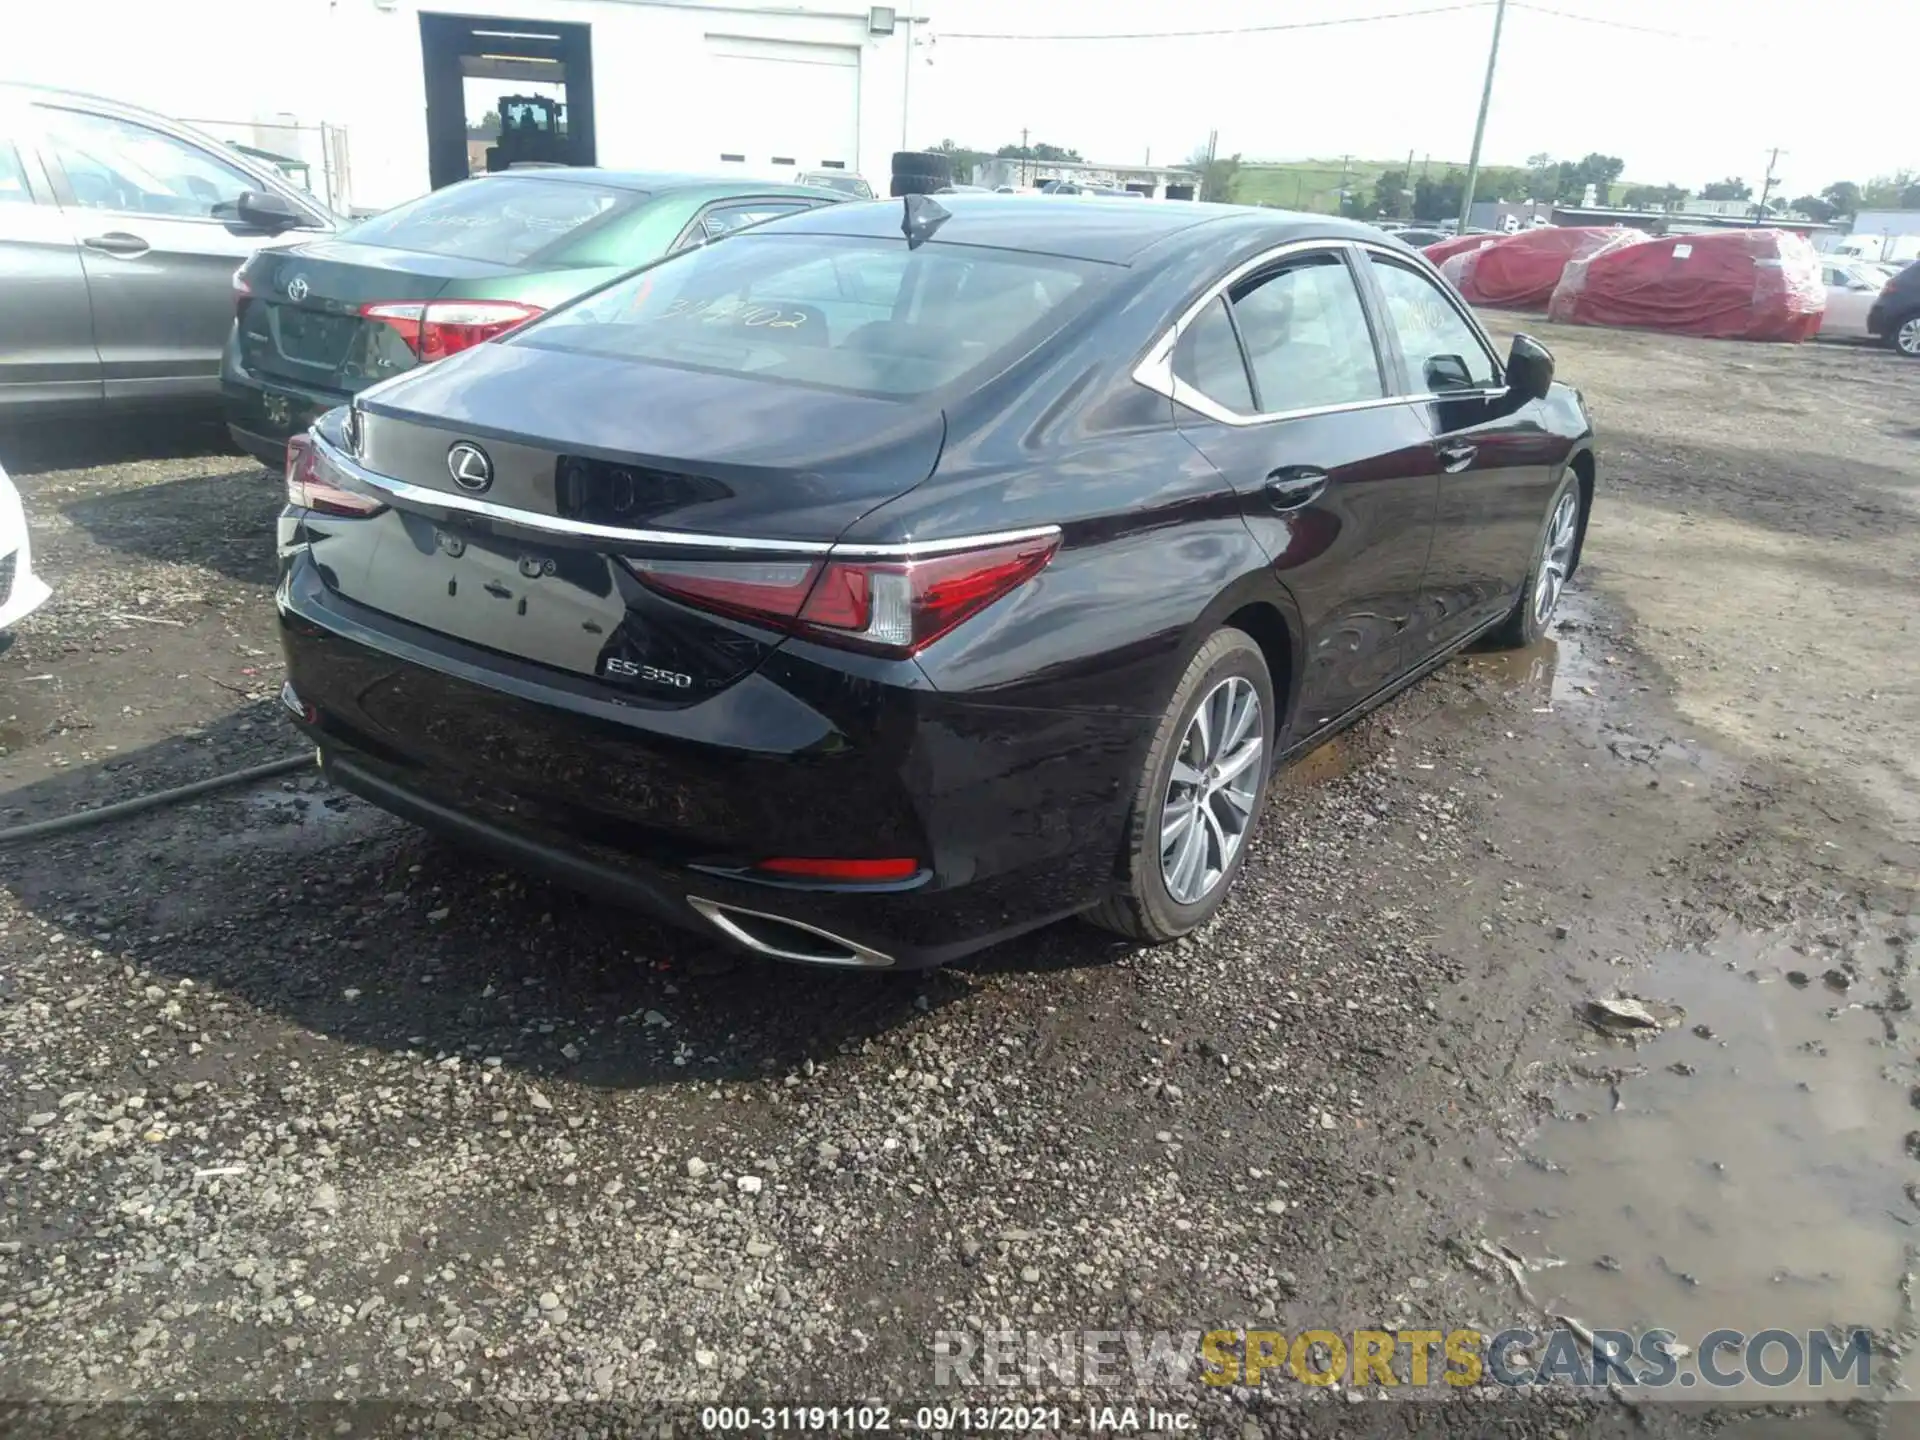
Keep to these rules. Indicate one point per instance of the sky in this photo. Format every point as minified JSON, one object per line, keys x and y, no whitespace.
{"x":1685,"y":91}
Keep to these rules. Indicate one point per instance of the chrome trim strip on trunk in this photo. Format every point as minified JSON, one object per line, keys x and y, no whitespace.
{"x":385,"y":486}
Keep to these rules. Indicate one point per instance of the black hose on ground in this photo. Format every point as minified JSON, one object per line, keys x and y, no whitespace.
{"x":121,"y":808}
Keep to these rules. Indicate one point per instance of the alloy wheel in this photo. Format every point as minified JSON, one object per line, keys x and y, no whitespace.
{"x":1212,"y":791}
{"x":1907,"y":337}
{"x":1556,"y":558}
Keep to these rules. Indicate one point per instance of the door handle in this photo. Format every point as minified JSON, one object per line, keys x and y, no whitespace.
{"x":1292,"y":486}
{"x":1455,"y":458}
{"x":117,"y":242}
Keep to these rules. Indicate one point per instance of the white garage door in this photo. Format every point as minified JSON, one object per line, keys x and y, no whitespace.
{"x":776,"y":105}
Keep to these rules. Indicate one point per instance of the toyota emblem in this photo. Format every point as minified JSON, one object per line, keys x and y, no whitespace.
{"x":470,"y":467}
{"x":297,"y":289}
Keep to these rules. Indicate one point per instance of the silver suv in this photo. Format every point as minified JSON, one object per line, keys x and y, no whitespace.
{"x":119,"y":235}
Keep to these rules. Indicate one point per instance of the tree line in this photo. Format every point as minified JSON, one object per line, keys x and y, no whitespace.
{"x":1434,"y":198}
{"x":1399,"y":194}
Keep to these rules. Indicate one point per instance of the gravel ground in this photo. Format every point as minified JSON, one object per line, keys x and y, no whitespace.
{"x":301,"y":1104}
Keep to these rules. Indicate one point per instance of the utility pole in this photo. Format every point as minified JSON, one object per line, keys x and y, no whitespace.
{"x":1407,"y":185}
{"x":1480,"y":125}
{"x":906,"y":85}
{"x":1340,"y":197}
{"x":1026,"y":160}
{"x":1766,"y":186}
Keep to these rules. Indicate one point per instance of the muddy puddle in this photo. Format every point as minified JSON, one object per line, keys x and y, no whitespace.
{"x":1746,"y":1166}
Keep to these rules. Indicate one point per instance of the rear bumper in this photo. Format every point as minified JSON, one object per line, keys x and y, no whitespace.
{"x":1010,"y":811}
{"x":262,"y":415}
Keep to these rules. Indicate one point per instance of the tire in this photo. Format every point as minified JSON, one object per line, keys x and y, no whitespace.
{"x":1527,"y":623}
{"x":920,"y":172}
{"x":1143,"y":906}
{"x":1903,"y":336}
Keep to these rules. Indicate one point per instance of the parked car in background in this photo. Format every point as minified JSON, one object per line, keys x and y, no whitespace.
{"x":863,"y":598}
{"x":1852,"y":287}
{"x":1895,"y":316}
{"x":845,"y":182}
{"x":119,"y":234}
{"x":21,"y":591}
{"x":1418,"y":236}
{"x":315,"y":324}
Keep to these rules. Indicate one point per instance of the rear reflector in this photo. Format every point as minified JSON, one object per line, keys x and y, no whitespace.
{"x":807,"y":868}
{"x":311,"y":487}
{"x":891,"y":607}
{"x":435,"y":329}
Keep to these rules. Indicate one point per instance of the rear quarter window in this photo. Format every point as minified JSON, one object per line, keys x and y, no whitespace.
{"x":506,"y":220}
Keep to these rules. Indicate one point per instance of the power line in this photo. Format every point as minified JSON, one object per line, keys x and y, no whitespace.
{"x":1609,"y":24}
{"x":1232,"y":30}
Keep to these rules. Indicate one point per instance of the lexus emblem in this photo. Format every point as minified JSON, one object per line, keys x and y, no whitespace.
{"x":297,"y":289}
{"x":470,"y":467}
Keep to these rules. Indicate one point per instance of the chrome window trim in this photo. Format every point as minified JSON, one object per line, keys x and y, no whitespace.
{"x":385,"y":485}
{"x":1155,"y":370}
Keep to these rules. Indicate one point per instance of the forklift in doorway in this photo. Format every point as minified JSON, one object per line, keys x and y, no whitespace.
{"x":534,"y":129}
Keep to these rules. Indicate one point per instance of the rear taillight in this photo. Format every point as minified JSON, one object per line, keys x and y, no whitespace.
{"x":310,"y":487}
{"x":242,"y":291}
{"x":435,"y":329}
{"x":891,"y":607}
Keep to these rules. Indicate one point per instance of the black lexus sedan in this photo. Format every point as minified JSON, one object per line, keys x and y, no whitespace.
{"x":891,"y":579}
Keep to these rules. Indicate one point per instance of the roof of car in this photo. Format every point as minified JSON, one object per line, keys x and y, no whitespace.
{"x":1075,"y":226}
{"x":659,"y":181}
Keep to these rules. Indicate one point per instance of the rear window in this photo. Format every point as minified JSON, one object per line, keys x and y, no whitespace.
{"x":503,"y":219}
{"x":862,"y":315}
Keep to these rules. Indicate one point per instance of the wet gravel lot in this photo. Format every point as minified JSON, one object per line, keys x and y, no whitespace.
{"x":301,"y":1104}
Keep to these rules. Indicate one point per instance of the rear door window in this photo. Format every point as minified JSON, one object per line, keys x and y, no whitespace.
{"x":506,"y":219}
{"x":862,"y":315}
{"x":1305,"y":333}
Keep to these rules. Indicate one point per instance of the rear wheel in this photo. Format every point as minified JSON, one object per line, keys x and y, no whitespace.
{"x":1552,"y":565}
{"x":1200,"y":792}
{"x":1905,"y":335}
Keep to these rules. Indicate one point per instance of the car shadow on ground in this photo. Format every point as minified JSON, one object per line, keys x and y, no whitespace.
{"x":85,"y":443}
{"x":222,"y":521}
{"x":320,"y":916}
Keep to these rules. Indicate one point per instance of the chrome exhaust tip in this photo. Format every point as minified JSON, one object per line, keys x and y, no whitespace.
{"x":784,"y":939}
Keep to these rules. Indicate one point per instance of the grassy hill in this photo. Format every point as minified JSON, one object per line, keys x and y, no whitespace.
{"x":1315,"y":184}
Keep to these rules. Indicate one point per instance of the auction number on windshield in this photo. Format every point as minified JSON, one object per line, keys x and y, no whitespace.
{"x":735,"y":312}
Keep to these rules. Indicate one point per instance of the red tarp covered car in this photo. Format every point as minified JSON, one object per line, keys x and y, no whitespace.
{"x":1728,"y":285}
{"x":1520,"y":271}
{"x":1442,"y":250}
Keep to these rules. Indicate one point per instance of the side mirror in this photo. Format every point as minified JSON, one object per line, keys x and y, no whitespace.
{"x":1447,"y":372}
{"x":264,"y":210}
{"x":1529,"y":370}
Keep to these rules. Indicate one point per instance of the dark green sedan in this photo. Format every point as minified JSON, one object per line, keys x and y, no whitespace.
{"x":317,"y":322}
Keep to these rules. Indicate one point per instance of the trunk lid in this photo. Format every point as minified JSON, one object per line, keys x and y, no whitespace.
{"x":301,"y":320}
{"x":663,"y":457}
{"x":640,"y":445}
